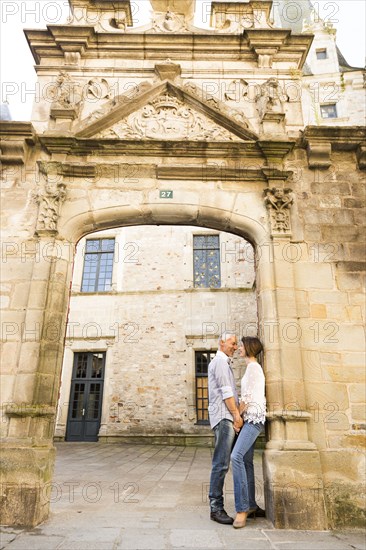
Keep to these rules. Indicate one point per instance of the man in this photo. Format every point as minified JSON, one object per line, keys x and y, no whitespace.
{"x":225,"y":421}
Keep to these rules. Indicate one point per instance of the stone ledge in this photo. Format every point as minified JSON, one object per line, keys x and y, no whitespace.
{"x":23,"y":410}
{"x":180,"y":440}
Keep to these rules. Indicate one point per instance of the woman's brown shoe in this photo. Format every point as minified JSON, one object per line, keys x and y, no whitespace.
{"x":239,"y":523}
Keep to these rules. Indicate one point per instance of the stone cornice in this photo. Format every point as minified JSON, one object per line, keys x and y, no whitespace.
{"x":146,"y":148}
{"x":57,"y":40}
{"x":15,"y":129}
{"x":15,"y":138}
{"x":320,"y":141}
{"x":205,"y":172}
{"x":341,"y":138}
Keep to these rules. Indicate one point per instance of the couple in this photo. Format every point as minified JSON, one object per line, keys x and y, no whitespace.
{"x":229,"y":420}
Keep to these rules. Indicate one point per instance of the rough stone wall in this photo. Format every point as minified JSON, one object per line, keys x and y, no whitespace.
{"x":330,"y":280}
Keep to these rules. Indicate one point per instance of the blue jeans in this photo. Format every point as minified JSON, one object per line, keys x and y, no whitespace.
{"x":243,"y":467}
{"x":224,"y":440}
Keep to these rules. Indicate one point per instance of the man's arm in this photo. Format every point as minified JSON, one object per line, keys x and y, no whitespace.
{"x":232,"y":407}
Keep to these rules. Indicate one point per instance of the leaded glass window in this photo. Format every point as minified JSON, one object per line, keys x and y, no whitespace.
{"x":206,"y":261}
{"x":98,"y":265}
{"x":202,"y":360}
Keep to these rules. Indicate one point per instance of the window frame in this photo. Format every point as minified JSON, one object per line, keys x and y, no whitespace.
{"x":206,"y":248}
{"x":98,"y":254}
{"x":319,"y":54}
{"x":198,"y":376}
{"x":325,"y":105}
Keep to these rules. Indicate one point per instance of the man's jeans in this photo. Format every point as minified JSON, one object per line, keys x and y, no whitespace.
{"x":224,"y":440}
{"x":243,"y":468}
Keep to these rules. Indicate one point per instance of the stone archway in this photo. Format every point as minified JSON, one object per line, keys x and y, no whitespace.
{"x":30,"y":455}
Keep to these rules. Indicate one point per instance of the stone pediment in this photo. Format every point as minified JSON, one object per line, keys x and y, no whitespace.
{"x":166,"y":111}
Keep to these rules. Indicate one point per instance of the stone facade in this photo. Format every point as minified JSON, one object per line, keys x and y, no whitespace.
{"x":127,"y":114}
{"x":151,"y":323}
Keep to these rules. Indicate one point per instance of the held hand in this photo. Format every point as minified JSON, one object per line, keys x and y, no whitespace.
{"x":238,"y":423}
{"x":242,"y":407}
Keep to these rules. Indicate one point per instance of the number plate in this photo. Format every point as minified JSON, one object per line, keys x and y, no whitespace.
{"x":166,"y":194}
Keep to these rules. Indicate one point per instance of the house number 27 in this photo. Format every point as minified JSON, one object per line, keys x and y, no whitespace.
{"x":166,"y":194}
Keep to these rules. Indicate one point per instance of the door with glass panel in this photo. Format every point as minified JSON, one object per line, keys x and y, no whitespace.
{"x":85,"y":406}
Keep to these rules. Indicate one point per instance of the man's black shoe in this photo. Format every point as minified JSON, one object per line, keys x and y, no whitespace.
{"x":258,"y":512}
{"x":221,"y":517}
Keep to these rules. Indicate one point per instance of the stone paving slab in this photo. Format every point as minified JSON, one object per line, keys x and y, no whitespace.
{"x":125,"y":497}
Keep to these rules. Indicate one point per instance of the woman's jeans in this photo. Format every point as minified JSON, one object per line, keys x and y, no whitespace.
{"x":243,"y":467}
{"x":224,"y":440}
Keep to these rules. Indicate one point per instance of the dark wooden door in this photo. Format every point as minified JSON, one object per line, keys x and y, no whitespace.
{"x":86,"y":396}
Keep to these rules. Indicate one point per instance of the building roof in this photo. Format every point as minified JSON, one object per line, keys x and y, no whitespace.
{"x":5,"y":112}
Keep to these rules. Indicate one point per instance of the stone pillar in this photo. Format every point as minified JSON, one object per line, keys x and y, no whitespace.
{"x":27,"y":455}
{"x":292,"y":466}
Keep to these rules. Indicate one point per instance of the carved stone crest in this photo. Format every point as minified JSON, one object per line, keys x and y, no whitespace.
{"x":49,"y":202}
{"x":278,"y":202}
{"x":169,"y":22}
{"x":168,"y":117}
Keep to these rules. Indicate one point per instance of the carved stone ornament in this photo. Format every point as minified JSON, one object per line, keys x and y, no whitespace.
{"x":72,"y":58}
{"x":167,"y":117}
{"x":67,"y":97}
{"x":271,"y":98}
{"x":120,"y":20}
{"x":236,"y":114}
{"x":237,"y":90}
{"x":169,"y":22}
{"x":278,"y":202}
{"x":49,"y":203}
{"x":98,"y":88}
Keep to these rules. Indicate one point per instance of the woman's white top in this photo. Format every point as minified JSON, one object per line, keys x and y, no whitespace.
{"x":252,"y":393}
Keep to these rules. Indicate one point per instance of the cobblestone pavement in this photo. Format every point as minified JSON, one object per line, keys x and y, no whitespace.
{"x":145,"y":497}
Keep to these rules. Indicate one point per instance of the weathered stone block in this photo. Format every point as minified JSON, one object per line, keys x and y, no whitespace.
{"x":359,"y":412}
{"x":24,"y":489}
{"x":314,"y":276}
{"x":330,"y":396}
{"x":294,"y":489}
{"x":357,"y":393}
{"x":349,"y":281}
{"x":340,"y":233}
{"x":318,"y":311}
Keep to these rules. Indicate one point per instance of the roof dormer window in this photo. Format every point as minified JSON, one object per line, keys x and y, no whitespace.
{"x":321,"y":53}
{"x":329,"y":110}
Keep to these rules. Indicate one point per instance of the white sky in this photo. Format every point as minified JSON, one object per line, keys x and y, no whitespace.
{"x":18,"y":76}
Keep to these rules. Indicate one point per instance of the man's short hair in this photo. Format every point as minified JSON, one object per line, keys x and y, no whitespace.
{"x":225,"y":336}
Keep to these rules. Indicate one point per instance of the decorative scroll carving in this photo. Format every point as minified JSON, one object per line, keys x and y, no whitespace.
{"x":278,"y":202}
{"x":219,"y":106}
{"x":120,"y":21}
{"x":167,"y":117}
{"x":113,"y":103}
{"x":169,"y":22}
{"x":319,"y":155}
{"x":67,"y":97}
{"x":236,"y":17}
{"x":98,"y":88}
{"x":49,"y":206}
{"x":237,"y":90}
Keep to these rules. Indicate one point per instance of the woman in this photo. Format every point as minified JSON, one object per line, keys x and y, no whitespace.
{"x":253,"y":408}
